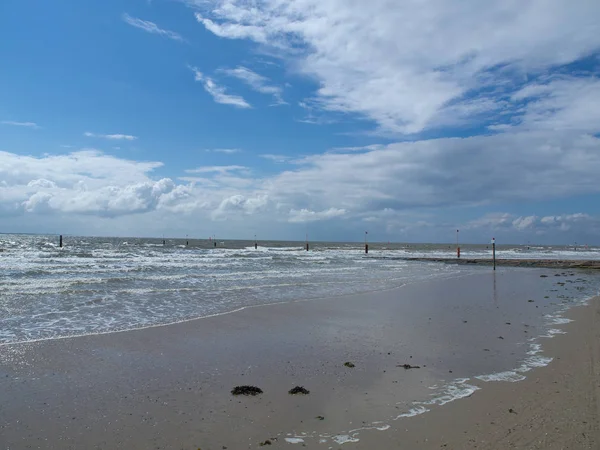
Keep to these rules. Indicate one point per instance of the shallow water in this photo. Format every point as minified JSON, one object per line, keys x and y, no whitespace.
{"x":98,"y":285}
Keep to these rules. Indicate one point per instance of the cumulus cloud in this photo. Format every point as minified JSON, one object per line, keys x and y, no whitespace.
{"x":257,"y":82}
{"x":239,"y":205}
{"x":219,"y":93}
{"x":151,"y":27}
{"x":85,"y":182}
{"x":411,"y":66}
{"x":305,"y":215}
{"x":113,"y":137}
{"x":523,"y":223}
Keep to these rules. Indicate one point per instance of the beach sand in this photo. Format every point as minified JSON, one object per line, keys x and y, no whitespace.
{"x":556,"y":407}
{"x":169,"y":387}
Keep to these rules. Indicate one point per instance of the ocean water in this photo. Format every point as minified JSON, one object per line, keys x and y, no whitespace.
{"x":99,"y":285}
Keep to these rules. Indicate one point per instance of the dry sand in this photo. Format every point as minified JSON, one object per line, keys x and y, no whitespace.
{"x":168,"y":387}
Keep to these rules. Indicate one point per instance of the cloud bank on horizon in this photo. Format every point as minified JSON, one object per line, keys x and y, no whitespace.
{"x":410,"y":120}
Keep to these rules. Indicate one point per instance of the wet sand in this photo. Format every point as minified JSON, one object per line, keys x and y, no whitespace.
{"x":556,"y":407}
{"x":592,"y":264}
{"x":168,"y":387}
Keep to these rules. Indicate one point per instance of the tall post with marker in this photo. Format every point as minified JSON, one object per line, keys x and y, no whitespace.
{"x":366,"y":243}
{"x":494,"y":251}
{"x":457,"y":246}
{"x":307,"y":236}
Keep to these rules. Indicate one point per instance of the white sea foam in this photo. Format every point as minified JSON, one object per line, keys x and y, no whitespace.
{"x":535,"y":349}
{"x":455,"y":390}
{"x":509,"y":375}
{"x":417,"y":410}
{"x":533,"y":360}
{"x":344,"y":439}
{"x":560,"y":321}
{"x":537,"y":361}
{"x":294,"y":440}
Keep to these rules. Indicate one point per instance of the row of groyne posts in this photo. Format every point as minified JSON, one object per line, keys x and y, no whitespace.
{"x":60,"y":244}
{"x":493,"y":249}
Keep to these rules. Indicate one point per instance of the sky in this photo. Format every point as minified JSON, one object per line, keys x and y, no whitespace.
{"x":234,"y":118}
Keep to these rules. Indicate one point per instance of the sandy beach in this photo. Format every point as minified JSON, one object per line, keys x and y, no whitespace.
{"x":169,"y":387}
{"x":556,"y":407}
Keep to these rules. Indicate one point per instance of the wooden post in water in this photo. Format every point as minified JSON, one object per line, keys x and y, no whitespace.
{"x":366,"y":243}
{"x":494,"y":251}
{"x":255,"y":243}
{"x":457,"y":246}
{"x":60,"y":241}
{"x":186,"y":240}
{"x":306,"y":236}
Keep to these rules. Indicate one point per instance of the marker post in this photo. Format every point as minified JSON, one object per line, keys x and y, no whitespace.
{"x":457,"y":247}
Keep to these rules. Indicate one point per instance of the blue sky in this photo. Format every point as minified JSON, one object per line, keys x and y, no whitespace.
{"x":233,"y":117}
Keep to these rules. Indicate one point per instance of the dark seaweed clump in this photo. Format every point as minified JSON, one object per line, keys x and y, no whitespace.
{"x":408,"y":366}
{"x":299,"y":390}
{"x":349,"y":364}
{"x":246,"y":390}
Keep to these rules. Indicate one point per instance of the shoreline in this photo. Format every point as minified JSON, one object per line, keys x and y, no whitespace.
{"x":556,"y":407}
{"x":171,"y":376}
{"x":539,"y":263}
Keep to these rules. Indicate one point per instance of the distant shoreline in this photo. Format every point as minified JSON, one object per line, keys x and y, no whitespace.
{"x":541,"y":263}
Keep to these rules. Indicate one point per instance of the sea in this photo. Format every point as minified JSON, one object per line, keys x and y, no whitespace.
{"x":96,"y":285}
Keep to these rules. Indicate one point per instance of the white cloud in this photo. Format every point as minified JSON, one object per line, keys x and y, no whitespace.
{"x":234,"y":31}
{"x":41,"y":183}
{"x":257,"y":82}
{"x":238,"y":205}
{"x":491,"y":221}
{"x":227,"y":151}
{"x":217,"y":169}
{"x":305,"y":215}
{"x":85,"y":182}
{"x":151,"y":27}
{"x":219,"y":93}
{"x":577,"y":224}
{"x":410,"y":66}
{"x":113,"y":137}
{"x":275,"y":158}
{"x":562,"y":103}
{"x":20,"y":124}
{"x":523,"y":223}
